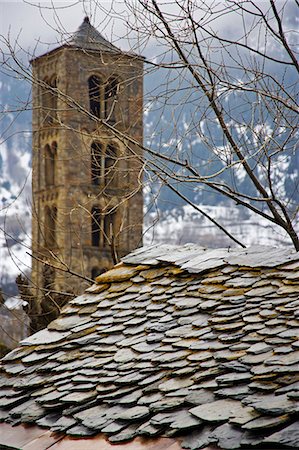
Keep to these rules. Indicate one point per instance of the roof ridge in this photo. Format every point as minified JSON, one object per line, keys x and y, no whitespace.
{"x":194,"y":258}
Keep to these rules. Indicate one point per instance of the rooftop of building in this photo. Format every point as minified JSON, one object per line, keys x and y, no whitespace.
{"x":89,"y":39}
{"x":175,"y":347}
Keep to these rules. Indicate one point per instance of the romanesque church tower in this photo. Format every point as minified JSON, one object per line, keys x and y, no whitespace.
{"x":87,"y":197}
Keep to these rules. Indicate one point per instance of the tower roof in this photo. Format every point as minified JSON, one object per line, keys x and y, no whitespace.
{"x":87,"y":37}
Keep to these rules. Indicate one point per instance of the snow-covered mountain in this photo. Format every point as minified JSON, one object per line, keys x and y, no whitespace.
{"x":15,"y":181}
{"x":185,"y":225}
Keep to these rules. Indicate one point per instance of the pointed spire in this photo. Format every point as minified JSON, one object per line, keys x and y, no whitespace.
{"x":88,"y":38}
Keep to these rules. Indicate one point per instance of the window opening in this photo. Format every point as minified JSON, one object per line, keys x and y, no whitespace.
{"x":50,"y":226}
{"x":111,"y":90}
{"x":49,"y":100}
{"x":50,"y":163}
{"x":109,"y":228}
{"x":110,"y":164}
{"x":96,"y":163}
{"x":94,"y":87}
{"x":95,"y":226}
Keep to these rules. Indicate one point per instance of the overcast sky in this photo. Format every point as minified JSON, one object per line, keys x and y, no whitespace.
{"x":47,"y":22}
{"x":38,"y":22}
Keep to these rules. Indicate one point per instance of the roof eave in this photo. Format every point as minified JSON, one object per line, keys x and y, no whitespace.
{"x":88,"y":50}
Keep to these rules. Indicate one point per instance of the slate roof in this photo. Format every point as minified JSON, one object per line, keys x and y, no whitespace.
{"x":179,"y":342}
{"x":88,"y":38}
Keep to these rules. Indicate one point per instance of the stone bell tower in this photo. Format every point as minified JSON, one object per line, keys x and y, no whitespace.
{"x":86,"y":180}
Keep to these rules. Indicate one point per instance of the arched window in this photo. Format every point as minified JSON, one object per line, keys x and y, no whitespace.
{"x":111,"y":90}
{"x":94,"y":89}
{"x":96,"y":226}
{"x":110,"y":165}
{"x":96,"y":163}
{"x":109,"y":228}
{"x":49,"y":100}
{"x":50,"y":163}
{"x":54,"y":98}
{"x":50,"y":226}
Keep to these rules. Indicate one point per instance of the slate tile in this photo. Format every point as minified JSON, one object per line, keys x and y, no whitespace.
{"x":200,"y":397}
{"x":124,"y":435}
{"x":227,"y":436}
{"x":256,"y":359}
{"x":112,"y":426}
{"x":80,"y":430}
{"x":150,"y":380}
{"x":166,"y":404}
{"x":206,"y":345}
{"x":237,"y":392}
{"x":166,"y":318}
{"x":228,"y":310}
{"x":63,"y":424}
{"x":158,"y":327}
{"x":54,"y":395}
{"x":290,"y":333}
{"x":169,"y":357}
{"x":64,"y":323}
{"x":283,"y":359}
{"x":232,"y":337}
{"x":287,"y":436}
{"x":153,"y":338}
{"x":120,"y":273}
{"x":30,"y":415}
{"x":252,"y":318}
{"x":278,"y":340}
{"x":187,"y":312}
{"x":130,"y":378}
{"x":293,"y":395}
{"x":149,"y":430}
{"x":120,"y":287}
{"x":45,"y":337}
{"x":217,"y":411}
{"x":232,"y":378}
{"x":239,"y":281}
{"x":246,"y":414}
{"x":79,"y":397}
{"x":178,"y":393}
{"x":199,"y":356}
{"x":205,"y":374}
{"x":198,"y":439}
{"x":258,"y":348}
{"x":174,"y":384}
{"x":264,"y":386}
{"x":149,"y":398}
{"x":49,"y":420}
{"x":207,"y":305}
{"x":134,"y":413}
{"x":182,"y":420}
{"x":290,"y":387}
{"x":228,"y":355}
{"x":173,"y":365}
{"x":265,"y":422}
{"x":241,"y":346}
{"x":273,"y":404}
